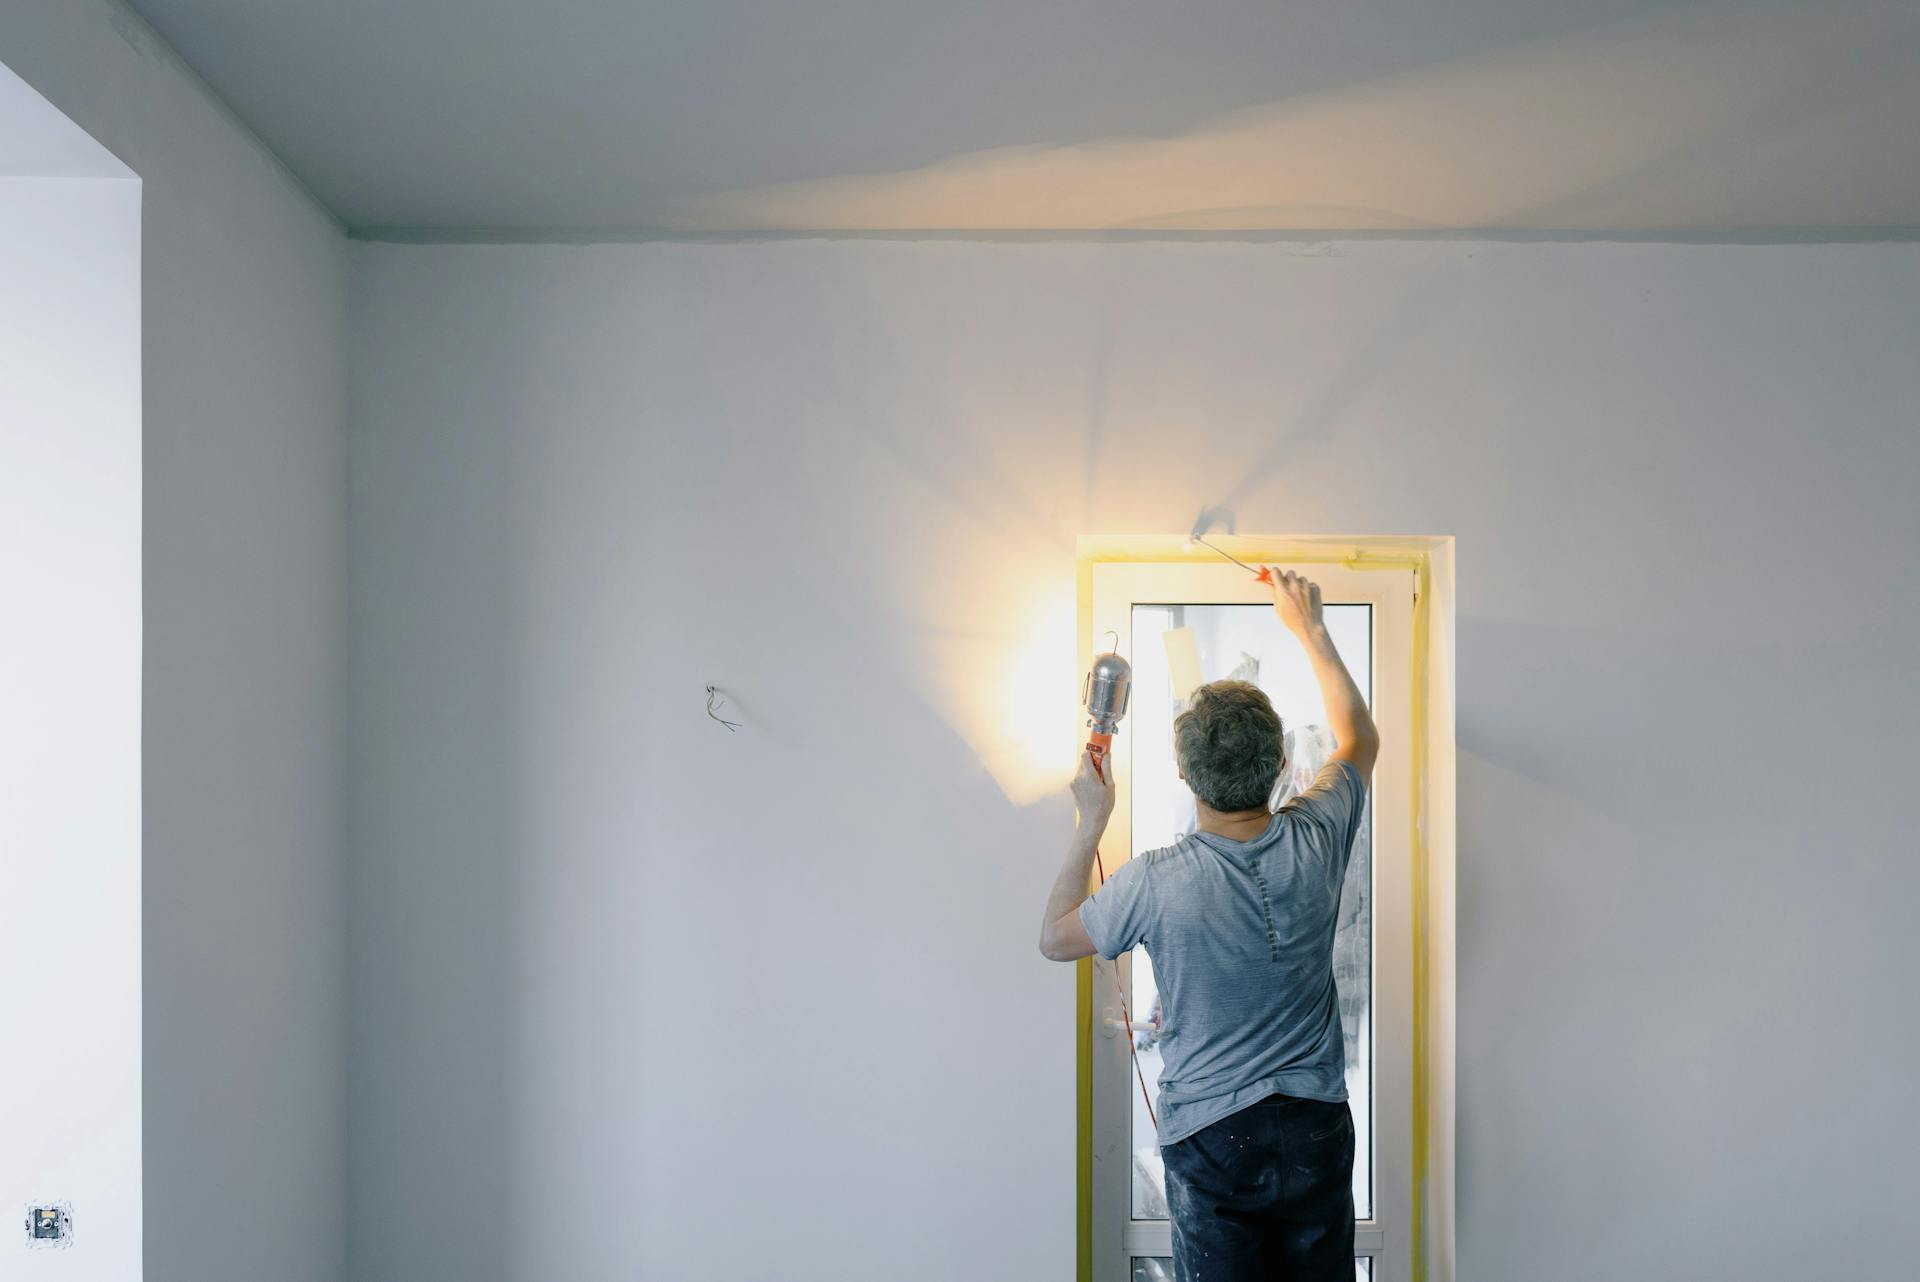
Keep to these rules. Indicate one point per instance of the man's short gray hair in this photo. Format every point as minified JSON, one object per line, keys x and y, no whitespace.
{"x":1230,"y":744}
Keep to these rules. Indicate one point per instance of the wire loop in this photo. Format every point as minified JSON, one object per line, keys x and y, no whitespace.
{"x":715,"y":700}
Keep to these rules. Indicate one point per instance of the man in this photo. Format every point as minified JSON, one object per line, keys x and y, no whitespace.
{"x":1239,"y":920}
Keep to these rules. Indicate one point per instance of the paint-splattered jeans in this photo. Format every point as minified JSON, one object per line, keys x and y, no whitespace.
{"x":1265,"y":1195}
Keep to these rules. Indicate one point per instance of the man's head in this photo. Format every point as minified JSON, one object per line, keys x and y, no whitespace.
{"x":1230,"y":745}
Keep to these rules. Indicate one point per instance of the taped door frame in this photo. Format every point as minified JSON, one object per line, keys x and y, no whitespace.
{"x":1430,"y":948}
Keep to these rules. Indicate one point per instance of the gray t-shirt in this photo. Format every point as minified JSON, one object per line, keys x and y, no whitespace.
{"x":1241,"y":937}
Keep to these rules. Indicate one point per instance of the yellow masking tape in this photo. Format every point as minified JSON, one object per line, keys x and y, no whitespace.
{"x":1422,"y":606}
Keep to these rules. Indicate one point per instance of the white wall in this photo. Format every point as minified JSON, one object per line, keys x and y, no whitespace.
{"x":768,"y":1004}
{"x":69,"y":690}
{"x":244,"y":568}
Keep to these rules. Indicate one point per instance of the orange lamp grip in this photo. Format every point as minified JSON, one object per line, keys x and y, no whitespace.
{"x":1098,"y":746}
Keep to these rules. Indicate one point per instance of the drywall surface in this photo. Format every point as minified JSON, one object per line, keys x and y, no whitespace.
{"x":70,"y":706}
{"x":244,"y":405}
{"x":768,"y":1003}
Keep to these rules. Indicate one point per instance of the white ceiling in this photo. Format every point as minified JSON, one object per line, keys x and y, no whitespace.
{"x":677,"y":116}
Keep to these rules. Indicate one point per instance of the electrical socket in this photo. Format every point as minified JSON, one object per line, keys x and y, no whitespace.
{"x":49,"y":1225}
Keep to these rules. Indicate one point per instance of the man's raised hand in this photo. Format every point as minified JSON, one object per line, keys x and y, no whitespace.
{"x":1296,"y":599}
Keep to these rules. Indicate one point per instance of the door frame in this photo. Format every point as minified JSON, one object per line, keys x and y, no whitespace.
{"x":1423,"y":1112}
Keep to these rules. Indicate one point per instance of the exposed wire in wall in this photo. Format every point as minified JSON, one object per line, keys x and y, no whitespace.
{"x":716,"y":701}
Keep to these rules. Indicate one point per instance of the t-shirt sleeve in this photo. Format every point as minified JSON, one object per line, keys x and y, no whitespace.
{"x":1117,"y":916}
{"x":1336,"y":803}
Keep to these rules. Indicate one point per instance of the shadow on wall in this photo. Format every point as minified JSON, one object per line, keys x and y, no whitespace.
{"x":1682,"y":121}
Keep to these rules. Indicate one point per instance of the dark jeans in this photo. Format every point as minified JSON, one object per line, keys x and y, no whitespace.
{"x":1265,"y":1195}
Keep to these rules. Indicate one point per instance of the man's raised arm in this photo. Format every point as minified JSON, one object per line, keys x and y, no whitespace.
{"x":1297,"y":601}
{"x":1062,"y":936}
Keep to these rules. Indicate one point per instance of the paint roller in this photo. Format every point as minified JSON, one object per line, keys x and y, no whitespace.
{"x":1262,"y":574}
